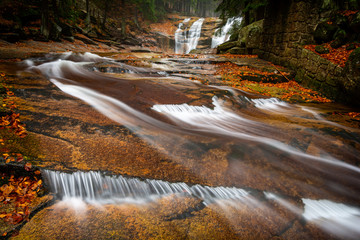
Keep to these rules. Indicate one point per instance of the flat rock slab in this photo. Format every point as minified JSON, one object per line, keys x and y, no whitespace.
{"x":167,"y":218}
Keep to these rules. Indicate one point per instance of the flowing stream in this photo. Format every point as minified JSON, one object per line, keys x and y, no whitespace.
{"x":245,"y":151}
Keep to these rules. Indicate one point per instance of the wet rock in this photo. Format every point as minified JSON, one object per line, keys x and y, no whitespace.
{"x":141,"y":50}
{"x":250,"y":35}
{"x":80,"y":30}
{"x":324,"y":32}
{"x":84,"y":39}
{"x":131,"y":41}
{"x":164,"y":41}
{"x":237,"y":50}
{"x":68,"y":38}
{"x":321,"y":49}
{"x":226,"y":46}
{"x":92,"y":34}
{"x":196,"y":51}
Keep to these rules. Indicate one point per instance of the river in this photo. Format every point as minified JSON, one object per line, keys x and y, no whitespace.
{"x":135,"y":148}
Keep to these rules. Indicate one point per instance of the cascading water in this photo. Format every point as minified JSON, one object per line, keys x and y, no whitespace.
{"x":263,"y":145}
{"x":187,"y":40}
{"x":96,"y":188}
{"x":222,"y":34}
{"x":180,"y":36}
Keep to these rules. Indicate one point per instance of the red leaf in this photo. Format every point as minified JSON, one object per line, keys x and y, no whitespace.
{"x":28,"y":166}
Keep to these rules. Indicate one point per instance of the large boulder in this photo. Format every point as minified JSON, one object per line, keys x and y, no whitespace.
{"x":250,"y":35}
{"x":324,"y":32}
{"x":226,"y":46}
{"x":237,"y":51}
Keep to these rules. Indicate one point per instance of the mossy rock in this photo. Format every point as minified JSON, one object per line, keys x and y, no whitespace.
{"x":324,"y":32}
{"x":237,"y":51}
{"x":321,"y":50}
{"x":196,"y":51}
{"x":250,"y":35}
{"x":226,"y":45}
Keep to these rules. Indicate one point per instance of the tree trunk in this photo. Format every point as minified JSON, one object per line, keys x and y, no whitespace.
{"x":87,"y":20}
{"x":136,"y":21}
{"x":55,"y":10}
{"x":45,"y":21}
{"x":106,"y":9}
{"x":123,"y":28}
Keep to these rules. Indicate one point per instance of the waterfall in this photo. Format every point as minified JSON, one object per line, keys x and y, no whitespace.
{"x":180,"y":36}
{"x":222,"y":34}
{"x":187,"y":40}
{"x":94,"y":187}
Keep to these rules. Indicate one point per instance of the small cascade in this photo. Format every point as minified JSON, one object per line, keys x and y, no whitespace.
{"x":222,"y":34}
{"x":187,"y":40}
{"x":269,"y":103}
{"x":180,"y":36}
{"x":94,"y":187}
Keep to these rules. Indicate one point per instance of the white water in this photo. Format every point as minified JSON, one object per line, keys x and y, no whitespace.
{"x":337,"y":218}
{"x":93,"y":187}
{"x":79,"y":188}
{"x":269,"y":103}
{"x":222,"y":35}
{"x":224,"y":123}
{"x":187,"y":40}
{"x":220,"y":120}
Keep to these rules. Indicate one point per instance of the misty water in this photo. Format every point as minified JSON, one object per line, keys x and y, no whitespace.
{"x":187,"y":37}
{"x":246,"y":151}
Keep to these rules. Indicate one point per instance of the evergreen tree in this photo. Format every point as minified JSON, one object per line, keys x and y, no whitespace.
{"x":233,"y":8}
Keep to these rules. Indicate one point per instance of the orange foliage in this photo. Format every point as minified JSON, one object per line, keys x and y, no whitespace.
{"x":232,"y":75}
{"x":21,"y":192}
{"x":228,"y":55}
{"x":348,"y":13}
{"x":338,"y":56}
{"x":11,"y":121}
{"x":167,"y":28}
